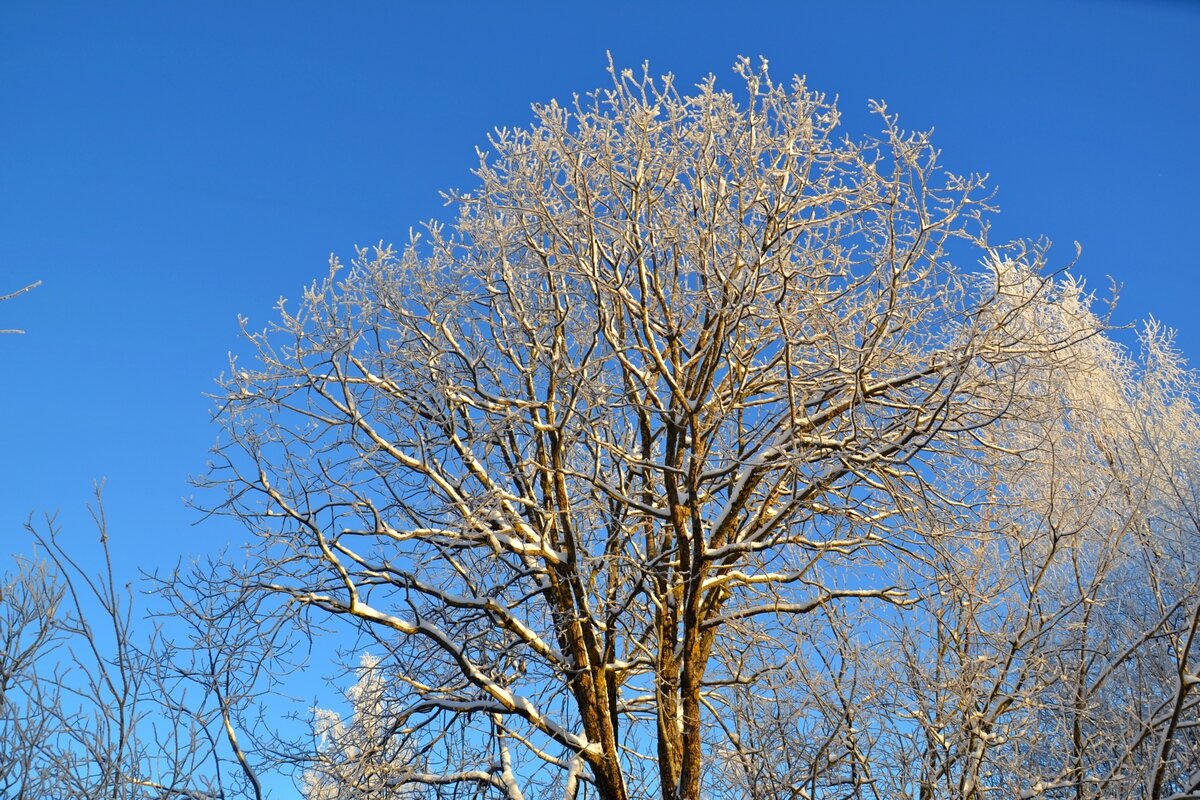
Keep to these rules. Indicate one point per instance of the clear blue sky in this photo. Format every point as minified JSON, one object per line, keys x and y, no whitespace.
{"x":167,"y":166}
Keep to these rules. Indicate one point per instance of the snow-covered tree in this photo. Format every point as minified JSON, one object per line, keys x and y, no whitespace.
{"x":704,"y":426}
{"x":1052,"y":652}
{"x":352,"y":759}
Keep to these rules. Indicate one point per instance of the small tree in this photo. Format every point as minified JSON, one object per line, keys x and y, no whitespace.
{"x":685,"y":376}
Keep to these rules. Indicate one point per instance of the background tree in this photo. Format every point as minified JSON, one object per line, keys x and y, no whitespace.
{"x":95,"y":702}
{"x":685,"y":376}
{"x":1051,"y":652}
{"x":361,"y":756}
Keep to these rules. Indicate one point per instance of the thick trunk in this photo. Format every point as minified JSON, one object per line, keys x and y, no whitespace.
{"x":609,"y":781}
{"x":670,"y":732}
{"x":696,"y":648}
{"x":689,"y":776}
{"x":690,"y":670}
{"x":606,"y":765}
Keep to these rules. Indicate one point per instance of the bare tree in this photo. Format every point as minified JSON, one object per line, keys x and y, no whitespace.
{"x":683,"y":377}
{"x":95,"y":703}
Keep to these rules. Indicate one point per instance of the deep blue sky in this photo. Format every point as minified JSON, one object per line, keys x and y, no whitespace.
{"x":165,"y":167}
